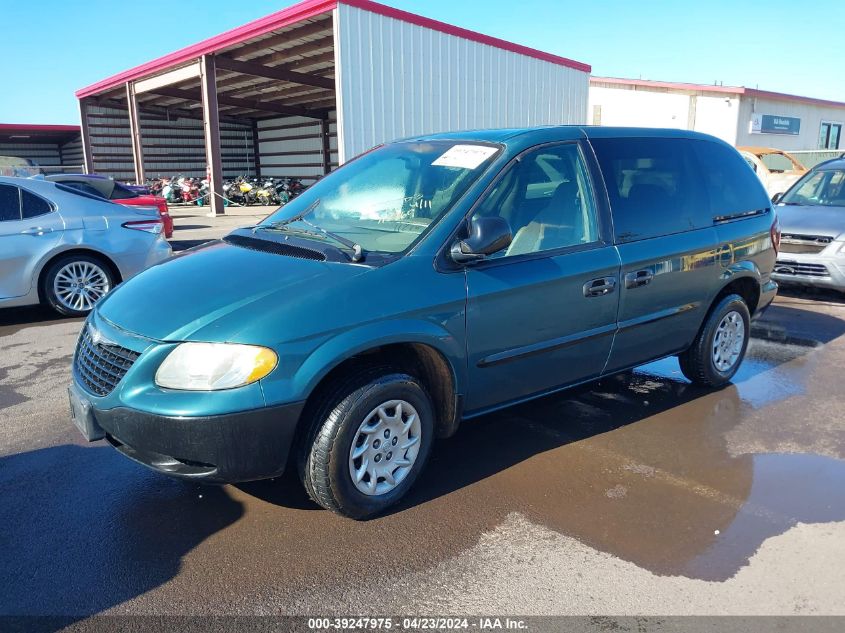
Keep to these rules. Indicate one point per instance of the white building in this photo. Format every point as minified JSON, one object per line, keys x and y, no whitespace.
{"x":740,"y":116}
{"x":309,"y":87}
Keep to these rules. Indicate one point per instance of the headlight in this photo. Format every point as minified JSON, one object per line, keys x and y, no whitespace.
{"x":212,"y":366}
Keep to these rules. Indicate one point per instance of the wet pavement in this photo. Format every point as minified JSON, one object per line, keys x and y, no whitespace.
{"x":640,"y":494}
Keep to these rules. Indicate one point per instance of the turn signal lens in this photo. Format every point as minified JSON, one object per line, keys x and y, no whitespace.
{"x":214,"y":366}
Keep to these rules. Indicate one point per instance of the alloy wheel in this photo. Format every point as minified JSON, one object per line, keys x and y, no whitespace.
{"x":79,"y":285}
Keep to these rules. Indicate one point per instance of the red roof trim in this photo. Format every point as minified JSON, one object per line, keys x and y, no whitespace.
{"x":278,"y":20}
{"x":647,"y":83}
{"x":782,"y":96}
{"x":443,"y":27}
{"x":303,"y":11}
{"x":27,"y":127}
{"x":736,"y":90}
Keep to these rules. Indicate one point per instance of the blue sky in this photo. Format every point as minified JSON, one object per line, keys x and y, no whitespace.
{"x":56,"y":46}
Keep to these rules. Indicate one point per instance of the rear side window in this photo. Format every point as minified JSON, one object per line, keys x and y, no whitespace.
{"x":10,"y":204}
{"x":32,"y":206}
{"x":732,"y":188}
{"x":654,"y":186}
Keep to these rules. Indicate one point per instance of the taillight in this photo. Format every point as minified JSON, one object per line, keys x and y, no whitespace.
{"x":150,"y":226}
{"x":774,"y":232}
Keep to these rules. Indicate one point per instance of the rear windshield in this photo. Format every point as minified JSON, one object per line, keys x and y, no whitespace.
{"x":81,"y":189}
{"x":122,"y":193}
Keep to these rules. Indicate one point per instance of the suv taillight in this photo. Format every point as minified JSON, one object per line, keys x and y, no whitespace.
{"x":150,"y":226}
{"x":775,"y":234}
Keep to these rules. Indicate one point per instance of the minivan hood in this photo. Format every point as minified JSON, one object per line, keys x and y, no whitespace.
{"x":811,"y":220}
{"x":213,"y":292}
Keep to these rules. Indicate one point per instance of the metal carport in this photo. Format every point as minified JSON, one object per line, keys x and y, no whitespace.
{"x":306,"y":88}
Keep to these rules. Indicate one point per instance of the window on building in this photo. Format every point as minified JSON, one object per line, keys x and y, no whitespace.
{"x":829,"y":135}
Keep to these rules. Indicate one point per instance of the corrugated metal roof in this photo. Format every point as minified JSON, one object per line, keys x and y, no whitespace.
{"x":33,"y":133}
{"x":35,"y":127}
{"x":248,"y":38}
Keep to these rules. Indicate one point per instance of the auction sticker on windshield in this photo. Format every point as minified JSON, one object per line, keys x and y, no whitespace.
{"x":465,"y":156}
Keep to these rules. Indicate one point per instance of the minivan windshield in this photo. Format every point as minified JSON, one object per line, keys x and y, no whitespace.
{"x":824,"y":188}
{"x":384,"y":200}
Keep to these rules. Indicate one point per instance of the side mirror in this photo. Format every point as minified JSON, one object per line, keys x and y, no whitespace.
{"x":777,"y":197}
{"x":486,"y":236}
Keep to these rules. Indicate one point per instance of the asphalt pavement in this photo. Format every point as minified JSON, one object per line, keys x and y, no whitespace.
{"x":638,"y":495}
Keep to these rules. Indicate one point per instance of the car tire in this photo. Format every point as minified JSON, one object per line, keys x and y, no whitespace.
{"x":364,"y":415}
{"x":719,"y":349}
{"x":62,"y":274}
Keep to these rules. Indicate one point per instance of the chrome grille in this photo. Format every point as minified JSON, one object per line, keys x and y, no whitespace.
{"x":795,"y":243}
{"x":100,"y":365}
{"x":797,"y":268}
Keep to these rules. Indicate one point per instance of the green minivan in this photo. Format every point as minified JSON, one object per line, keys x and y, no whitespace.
{"x":428,"y":281}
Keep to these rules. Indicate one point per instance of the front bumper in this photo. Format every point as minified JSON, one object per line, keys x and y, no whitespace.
{"x":241,"y":446}
{"x":810,"y":270}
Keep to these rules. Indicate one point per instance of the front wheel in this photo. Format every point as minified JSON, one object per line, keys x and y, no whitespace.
{"x":370,"y":442}
{"x":718,"y":350}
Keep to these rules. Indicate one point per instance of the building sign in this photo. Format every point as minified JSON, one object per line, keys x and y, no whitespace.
{"x":774,"y":124}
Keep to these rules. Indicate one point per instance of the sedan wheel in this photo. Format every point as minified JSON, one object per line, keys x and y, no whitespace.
{"x":73,"y":285}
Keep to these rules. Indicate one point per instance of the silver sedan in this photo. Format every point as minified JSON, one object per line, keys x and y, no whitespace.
{"x":66,"y":248}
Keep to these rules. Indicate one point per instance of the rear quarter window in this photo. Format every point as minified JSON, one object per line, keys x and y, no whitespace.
{"x":732,"y":187}
{"x":654,"y":186}
{"x":10,"y":205}
{"x":32,"y":206}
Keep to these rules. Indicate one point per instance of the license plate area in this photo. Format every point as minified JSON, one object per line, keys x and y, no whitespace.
{"x":82,"y":416}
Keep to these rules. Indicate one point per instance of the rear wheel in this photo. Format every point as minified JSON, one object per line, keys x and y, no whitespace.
{"x":368,"y":444}
{"x":75,"y":283}
{"x":719,"y":348}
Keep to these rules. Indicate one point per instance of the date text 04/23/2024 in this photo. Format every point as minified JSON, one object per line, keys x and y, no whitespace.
{"x":418,"y":623}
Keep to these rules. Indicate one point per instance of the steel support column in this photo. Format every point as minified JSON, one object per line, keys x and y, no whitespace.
{"x":87,"y":156}
{"x":326,"y":145}
{"x":211,"y":129}
{"x":256,"y":154}
{"x":135,"y":132}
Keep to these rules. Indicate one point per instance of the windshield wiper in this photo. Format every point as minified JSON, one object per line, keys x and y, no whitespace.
{"x":297,"y":217}
{"x":357,"y":251}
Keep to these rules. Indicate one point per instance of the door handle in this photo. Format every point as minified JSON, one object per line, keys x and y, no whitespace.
{"x":37,"y":230}
{"x":599,"y":287}
{"x":638,"y":279}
